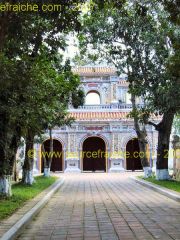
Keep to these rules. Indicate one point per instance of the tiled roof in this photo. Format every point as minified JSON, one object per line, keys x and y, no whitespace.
{"x":86,"y":116}
{"x":94,"y":71}
{"x":98,"y":115}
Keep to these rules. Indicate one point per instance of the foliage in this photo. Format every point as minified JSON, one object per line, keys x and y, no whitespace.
{"x":35,"y":84}
{"x":140,"y":41}
{"x":135,"y":39}
{"x":173,"y":8}
{"x":78,"y":98}
{"x":23,"y":193}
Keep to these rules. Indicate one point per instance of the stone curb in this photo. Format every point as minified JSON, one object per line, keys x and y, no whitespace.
{"x":162,"y":190}
{"x":13,"y":232}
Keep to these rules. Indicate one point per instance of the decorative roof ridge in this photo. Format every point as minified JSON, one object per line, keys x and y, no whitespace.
{"x":94,"y":70}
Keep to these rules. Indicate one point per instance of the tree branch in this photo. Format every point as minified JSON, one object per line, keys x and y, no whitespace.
{"x":153,"y":124}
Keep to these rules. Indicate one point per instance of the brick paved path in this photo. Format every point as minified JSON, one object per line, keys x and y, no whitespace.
{"x":107,"y":207}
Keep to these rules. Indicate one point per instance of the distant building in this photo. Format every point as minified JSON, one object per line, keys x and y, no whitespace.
{"x":102,"y":138}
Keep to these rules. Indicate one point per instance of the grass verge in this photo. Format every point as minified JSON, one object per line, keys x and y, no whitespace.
{"x":22,"y":193}
{"x":170,"y":184}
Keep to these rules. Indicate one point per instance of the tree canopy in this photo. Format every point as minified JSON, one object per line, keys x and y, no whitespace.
{"x":35,"y":83}
{"x":141,"y":41}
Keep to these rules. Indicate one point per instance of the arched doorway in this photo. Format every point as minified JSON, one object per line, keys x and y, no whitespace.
{"x":94,"y":154}
{"x":92,"y":98}
{"x":133,"y":161}
{"x":57,"y":160}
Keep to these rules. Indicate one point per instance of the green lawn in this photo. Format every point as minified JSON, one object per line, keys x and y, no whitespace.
{"x":22,"y":193}
{"x":170,"y":184}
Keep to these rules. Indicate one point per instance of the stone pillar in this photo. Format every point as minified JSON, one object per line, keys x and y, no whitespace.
{"x":114,"y":93}
{"x":72,"y":156}
{"x":176,"y":162}
{"x":116,"y":159}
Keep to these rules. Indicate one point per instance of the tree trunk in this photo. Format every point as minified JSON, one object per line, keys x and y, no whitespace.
{"x":9,"y":141}
{"x":164,"y":129}
{"x":144,"y":156}
{"x":46,"y":172}
{"x":44,"y":155}
{"x":142,"y":140}
{"x":51,"y":147}
{"x":5,"y":185}
{"x":50,"y":156}
{"x":3,"y":29}
{"x":29,"y":160}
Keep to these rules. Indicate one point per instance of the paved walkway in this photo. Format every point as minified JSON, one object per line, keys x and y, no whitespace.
{"x":107,"y":207}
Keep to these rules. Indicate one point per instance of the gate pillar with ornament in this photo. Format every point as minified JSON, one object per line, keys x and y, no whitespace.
{"x":116,"y":158}
{"x":72,"y":156}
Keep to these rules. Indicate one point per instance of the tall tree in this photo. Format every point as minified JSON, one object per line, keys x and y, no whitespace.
{"x":50,"y":92}
{"x":136,"y":39}
{"x":24,"y":38}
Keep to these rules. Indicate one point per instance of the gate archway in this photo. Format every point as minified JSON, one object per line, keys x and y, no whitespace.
{"x":94,"y":154}
{"x":57,"y":160}
{"x":133,"y":161}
